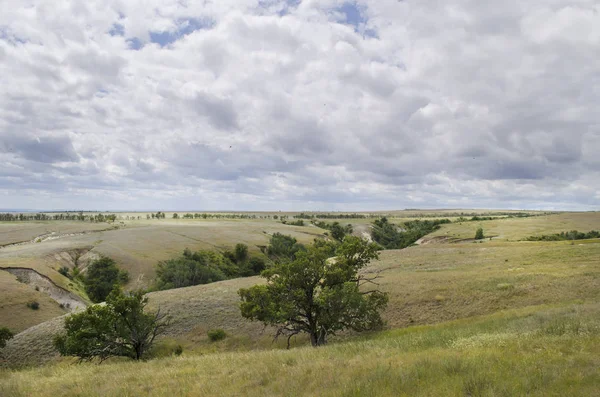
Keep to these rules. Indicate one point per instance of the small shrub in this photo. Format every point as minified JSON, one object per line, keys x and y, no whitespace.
{"x":37,"y":288}
{"x":216,"y":334}
{"x":5,"y":335}
{"x":64,"y":271}
{"x":33,"y":305}
{"x":178,"y":350}
{"x":479,"y":234}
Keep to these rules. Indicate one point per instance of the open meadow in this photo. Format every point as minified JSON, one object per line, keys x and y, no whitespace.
{"x":499,"y":316}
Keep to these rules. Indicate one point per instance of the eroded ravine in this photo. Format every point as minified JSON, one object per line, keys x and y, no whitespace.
{"x":68,"y":300}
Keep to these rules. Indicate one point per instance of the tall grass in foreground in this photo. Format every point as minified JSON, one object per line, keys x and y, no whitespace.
{"x":530,"y":351}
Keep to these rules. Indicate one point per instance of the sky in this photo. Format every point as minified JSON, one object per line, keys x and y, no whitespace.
{"x":324,"y":105}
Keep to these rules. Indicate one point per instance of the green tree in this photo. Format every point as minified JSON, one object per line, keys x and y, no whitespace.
{"x":5,"y":335}
{"x":201,"y":267}
{"x":479,"y":234}
{"x":241,"y":253}
{"x":119,"y":328}
{"x":102,"y":275}
{"x":283,"y":247}
{"x":317,"y":295}
{"x":337,"y":231}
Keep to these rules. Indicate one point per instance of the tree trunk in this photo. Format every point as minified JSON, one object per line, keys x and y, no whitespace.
{"x":318,"y":338}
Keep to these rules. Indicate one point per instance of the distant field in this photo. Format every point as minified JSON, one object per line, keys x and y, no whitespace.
{"x":16,"y":232}
{"x":519,"y":228}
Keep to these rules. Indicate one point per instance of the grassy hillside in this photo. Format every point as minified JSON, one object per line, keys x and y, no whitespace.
{"x":514,"y":229}
{"x":501,"y":317}
{"x":427,"y":284}
{"x":538,"y":351}
{"x":137,"y":247}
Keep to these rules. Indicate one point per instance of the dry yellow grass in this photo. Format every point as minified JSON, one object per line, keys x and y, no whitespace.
{"x":534,"y":351}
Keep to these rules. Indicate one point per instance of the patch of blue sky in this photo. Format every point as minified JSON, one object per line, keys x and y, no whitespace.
{"x":9,"y":37}
{"x":117,"y":30}
{"x":184,"y":27}
{"x":354,"y":15}
{"x":134,"y":43}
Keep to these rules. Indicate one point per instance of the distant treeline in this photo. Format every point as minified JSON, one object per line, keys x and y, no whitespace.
{"x":572,"y":235}
{"x":208,"y":215}
{"x":391,"y":236}
{"x":101,"y":217}
{"x":335,"y":216}
{"x":69,"y":216}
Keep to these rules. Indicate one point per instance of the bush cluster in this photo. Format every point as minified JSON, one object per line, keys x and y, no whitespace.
{"x":338,"y":231}
{"x":571,"y":235}
{"x":391,"y":236}
{"x":204,"y":267}
{"x":216,"y":335}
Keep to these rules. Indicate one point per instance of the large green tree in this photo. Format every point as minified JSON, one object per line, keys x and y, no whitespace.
{"x":317,"y":294}
{"x":121,"y":327}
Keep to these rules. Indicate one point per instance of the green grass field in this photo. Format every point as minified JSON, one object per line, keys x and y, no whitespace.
{"x":498,"y":318}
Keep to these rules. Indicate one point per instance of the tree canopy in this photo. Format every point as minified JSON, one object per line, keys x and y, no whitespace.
{"x":317,"y":294}
{"x":283,"y":247}
{"x":118,"y":328}
{"x":101,"y":277}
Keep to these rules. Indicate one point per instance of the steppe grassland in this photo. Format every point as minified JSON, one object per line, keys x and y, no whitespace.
{"x":427,"y":284}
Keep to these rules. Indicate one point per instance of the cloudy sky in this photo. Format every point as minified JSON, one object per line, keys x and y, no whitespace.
{"x":299,"y":105}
